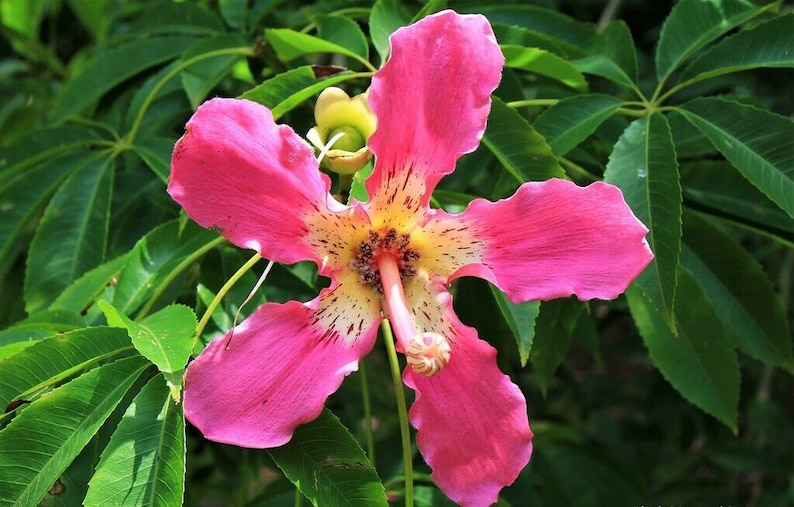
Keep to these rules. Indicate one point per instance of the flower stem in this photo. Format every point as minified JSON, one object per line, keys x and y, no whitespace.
{"x":367,"y":411}
{"x":402,"y":413}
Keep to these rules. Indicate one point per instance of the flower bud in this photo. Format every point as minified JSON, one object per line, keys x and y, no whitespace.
{"x":343,"y":126}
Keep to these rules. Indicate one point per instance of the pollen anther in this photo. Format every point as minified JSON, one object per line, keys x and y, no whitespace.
{"x":428,"y":353}
{"x":388,"y":242}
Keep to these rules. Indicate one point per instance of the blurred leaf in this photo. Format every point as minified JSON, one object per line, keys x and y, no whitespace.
{"x":326,"y":464}
{"x":72,"y":233}
{"x":234,"y":12}
{"x":84,"y":291}
{"x":692,"y":24}
{"x":114,"y":67}
{"x":156,"y":259}
{"x":156,"y":154}
{"x":718,"y":187}
{"x":769,"y":44}
{"x":520,"y":150}
{"x":23,"y":196}
{"x":385,"y":17}
{"x":643,"y":165}
{"x":613,"y":56}
{"x":65,"y":354}
{"x":759,"y":144}
{"x":165,"y":338}
{"x":144,"y":462}
{"x":289,"y":44}
{"x":168,"y":17}
{"x":699,"y":361}
{"x":344,"y":32}
{"x":285,"y":91}
{"x":554,"y":330}
{"x":520,"y":317}
{"x":739,"y":291}
{"x":200,"y":78}
{"x":544,"y":63}
{"x":569,"y":122}
{"x":93,"y":14}
{"x":43,"y":439}
{"x":574,"y":37}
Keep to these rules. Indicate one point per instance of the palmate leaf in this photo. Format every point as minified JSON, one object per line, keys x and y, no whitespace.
{"x":739,"y":291}
{"x":201,"y":77}
{"x":25,"y":373}
{"x":144,"y":462}
{"x":521,"y":151}
{"x":544,"y":63}
{"x":72,"y":234}
{"x":554,"y":330}
{"x":327,"y":465}
{"x":613,"y":56}
{"x":694,"y":23}
{"x":346,"y":39}
{"x":40,"y":146}
{"x":156,"y":259}
{"x":520,"y":318}
{"x":759,"y":144}
{"x":385,"y":17}
{"x":573,"y":119}
{"x":114,"y":67}
{"x":769,"y":44}
{"x":84,"y":291}
{"x":699,"y":361}
{"x":286,"y":91}
{"x":643,"y":165}
{"x":43,"y":439}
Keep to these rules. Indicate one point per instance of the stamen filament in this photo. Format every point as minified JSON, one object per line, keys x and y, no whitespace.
{"x":394,"y":296}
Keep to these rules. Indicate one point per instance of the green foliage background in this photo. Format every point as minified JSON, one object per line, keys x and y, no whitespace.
{"x":678,"y":393}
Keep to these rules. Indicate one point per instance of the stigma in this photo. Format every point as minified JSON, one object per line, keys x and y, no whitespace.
{"x":428,"y":353}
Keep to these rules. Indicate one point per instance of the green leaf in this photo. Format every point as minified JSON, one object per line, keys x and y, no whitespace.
{"x":289,"y":44}
{"x":41,"y":146}
{"x":327,"y":465}
{"x":83,"y":292}
{"x":27,"y":372}
{"x":166,"y":17}
{"x":739,"y":291}
{"x":144,"y":462}
{"x":554,"y":329}
{"x":344,"y":32}
{"x":544,"y":63}
{"x":759,"y":144}
{"x":156,"y":259}
{"x":165,"y":338}
{"x":156,"y":154}
{"x":769,"y":44}
{"x":520,"y":318}
{"x":72,"y":234}
{"x":114,"y":67}
{"x":574,"y":37}
{"x":613,"y":56}
{"x":22,"y":197}
{"x":94,"y":15}
{"x":385,"y":17}
{"x":43,"y":439}
{"x":643,"y":165}
{"x":521,"y":151}
{"x":569,"y":122}
{"x":284,"y":92}
{"x":699,"y":361}
{"x":692,"y":24}
{"x":716,"y":186}
{"x":201,"y":77}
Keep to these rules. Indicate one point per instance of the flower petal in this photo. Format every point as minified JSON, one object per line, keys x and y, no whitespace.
{"x":257,"y":182}
{"x":552,"y":239}
{"x":432,"y":99}
{"x":281,"y":364}
{"x":471,"y":419}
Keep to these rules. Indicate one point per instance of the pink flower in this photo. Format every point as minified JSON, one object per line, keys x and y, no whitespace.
{"x":258,"y":183}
